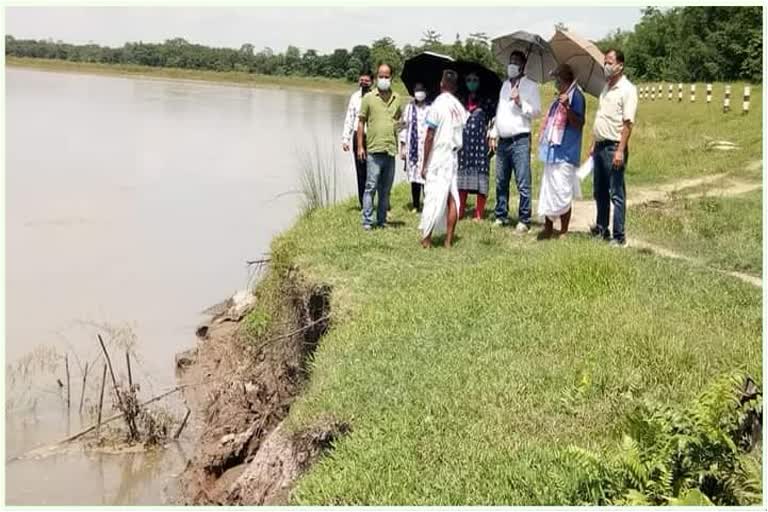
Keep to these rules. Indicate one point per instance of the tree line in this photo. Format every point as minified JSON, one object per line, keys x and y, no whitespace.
{"x":179,"y":53}
{"x":682,"y":43}
{"x":693,"y":44}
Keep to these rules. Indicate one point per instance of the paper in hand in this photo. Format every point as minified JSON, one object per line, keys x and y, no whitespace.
{"x":585,"y":169}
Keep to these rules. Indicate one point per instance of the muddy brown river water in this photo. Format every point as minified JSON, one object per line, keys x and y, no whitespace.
{"x":136,"y":202}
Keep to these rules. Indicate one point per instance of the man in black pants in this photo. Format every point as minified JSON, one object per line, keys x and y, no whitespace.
{"x":610,"y":148}
{"x":350,"y":125}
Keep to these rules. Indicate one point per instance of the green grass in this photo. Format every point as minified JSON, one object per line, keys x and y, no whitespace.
{"x":668,"y":139}
{"x":319,"y":176}
{"x":464,"y":372}
{"x":725,"y":232}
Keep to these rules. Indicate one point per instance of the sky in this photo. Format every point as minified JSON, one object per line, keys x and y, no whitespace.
{"x":319,"y":28}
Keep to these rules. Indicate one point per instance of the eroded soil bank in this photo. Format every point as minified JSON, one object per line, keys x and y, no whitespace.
{"x":242,"y":389}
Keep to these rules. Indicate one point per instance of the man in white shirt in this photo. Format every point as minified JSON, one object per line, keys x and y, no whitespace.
{"x":519,"y":103}
{"x":350,"y":126}
{"x":610,"y":147}
{"x":445,"y":126}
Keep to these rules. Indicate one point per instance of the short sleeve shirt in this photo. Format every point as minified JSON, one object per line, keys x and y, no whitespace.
{"x":381,"y":120}
{"x":617,"y":104}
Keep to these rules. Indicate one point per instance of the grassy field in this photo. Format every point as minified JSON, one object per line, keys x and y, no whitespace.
{"x":458,"y":369}
{"x":725,"y":232}
{"x":466,"y":373}
{"x":669,"y":138}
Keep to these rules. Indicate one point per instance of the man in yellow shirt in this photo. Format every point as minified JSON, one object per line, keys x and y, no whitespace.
{"x":380,"y":113}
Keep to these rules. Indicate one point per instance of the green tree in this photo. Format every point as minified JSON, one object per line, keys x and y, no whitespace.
{"x":363,"y":54}
{"x":682,"y":43}
{"x":432,"y":41}
{"x":384,"y":51}
{"x":338,"y":63}
{"x":292,"y":61}
{"x":354,"y":68}
{"x":311,"y":63}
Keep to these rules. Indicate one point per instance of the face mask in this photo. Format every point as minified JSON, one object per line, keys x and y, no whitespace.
{"x":513,"y":70}
{"x":420,"y":95}
{"x":473,"y":86}
{"x":383,"y":83}
{"x":610,"y":70}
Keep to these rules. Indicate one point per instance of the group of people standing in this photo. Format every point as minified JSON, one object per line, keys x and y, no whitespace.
{"x":446,"y":146}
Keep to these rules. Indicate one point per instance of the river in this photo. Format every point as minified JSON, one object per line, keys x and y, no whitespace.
{"x":135,"y":203}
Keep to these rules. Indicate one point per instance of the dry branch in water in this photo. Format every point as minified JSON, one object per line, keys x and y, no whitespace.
{"x":93,"y":427}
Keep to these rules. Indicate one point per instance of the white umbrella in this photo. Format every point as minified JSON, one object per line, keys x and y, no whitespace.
{"x":540,"y":61}
{"x":583,"y":57}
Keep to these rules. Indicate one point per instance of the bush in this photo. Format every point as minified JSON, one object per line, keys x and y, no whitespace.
{"x":697,"y":455}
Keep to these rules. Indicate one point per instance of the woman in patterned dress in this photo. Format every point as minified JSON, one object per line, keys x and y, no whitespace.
{"x":412,"y":142}
{"x":473,"y":157}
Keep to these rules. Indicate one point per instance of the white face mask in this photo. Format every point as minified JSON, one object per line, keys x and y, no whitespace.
{"x":513,"y":70}
{"x":610,"y":70}
{"x":383,"y":83}
{"x":420,"y":95}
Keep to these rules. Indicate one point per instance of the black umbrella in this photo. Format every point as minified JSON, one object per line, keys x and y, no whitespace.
{"x":540,"y":60}
{"x":427,"y":68}
{"x":490,"y":83}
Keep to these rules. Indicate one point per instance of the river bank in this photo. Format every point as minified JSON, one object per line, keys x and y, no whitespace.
{"x":435,"y":377}
{"x":118,"y":151}
{"x":324,"y":85}
{"x":471,"y":376}
{"x":431,"y":379}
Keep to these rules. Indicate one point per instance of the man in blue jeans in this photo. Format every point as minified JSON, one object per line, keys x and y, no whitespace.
{"x":380,"y":111}
{"x":519,"y":103}
{"x":613,"y":126}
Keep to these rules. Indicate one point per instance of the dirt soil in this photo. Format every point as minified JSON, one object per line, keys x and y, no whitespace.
{"x":242,"y":390}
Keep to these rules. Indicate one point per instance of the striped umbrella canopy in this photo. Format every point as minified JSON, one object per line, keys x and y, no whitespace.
{"x":583,"y":56}
{"x":540,"y":61}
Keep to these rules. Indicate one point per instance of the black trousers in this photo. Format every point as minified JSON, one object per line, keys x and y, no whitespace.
{"x":362,"y":169}
{"x":416,"y":195}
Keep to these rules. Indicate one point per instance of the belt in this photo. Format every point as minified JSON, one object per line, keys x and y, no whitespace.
{"x":516,"y":137}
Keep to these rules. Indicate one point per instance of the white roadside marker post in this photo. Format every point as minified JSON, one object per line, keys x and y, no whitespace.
{"x":747,"y":92}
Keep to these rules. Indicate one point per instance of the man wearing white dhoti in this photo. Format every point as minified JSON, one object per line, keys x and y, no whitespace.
{"x":445,"y":124}
{"x":560,"y":151}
